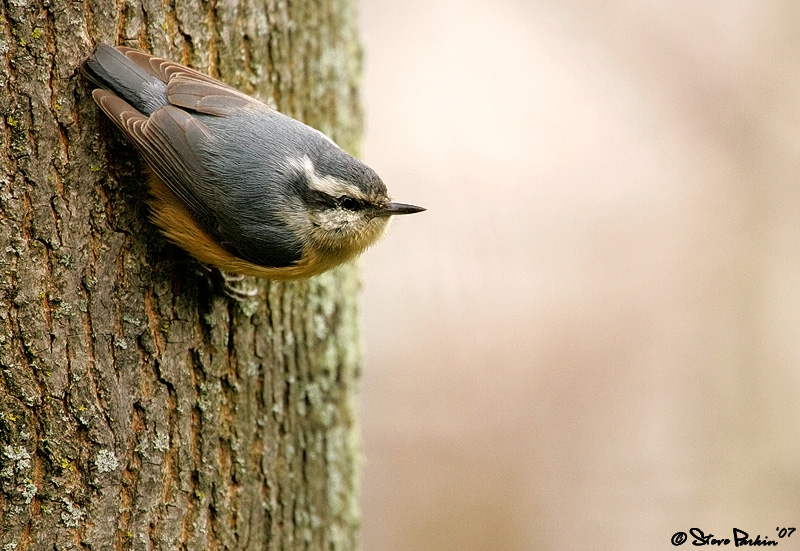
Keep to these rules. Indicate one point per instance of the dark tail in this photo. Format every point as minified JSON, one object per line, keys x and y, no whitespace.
{"x":110,"y":69}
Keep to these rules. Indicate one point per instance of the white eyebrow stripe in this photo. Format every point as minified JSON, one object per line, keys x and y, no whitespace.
{"x":329,"y":185}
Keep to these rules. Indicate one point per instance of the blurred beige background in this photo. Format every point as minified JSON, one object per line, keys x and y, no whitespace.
{"x":591,"y":340}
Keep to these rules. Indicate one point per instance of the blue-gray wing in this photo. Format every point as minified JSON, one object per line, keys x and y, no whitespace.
{"x":167,"y":140}
{"x":174,"y":142}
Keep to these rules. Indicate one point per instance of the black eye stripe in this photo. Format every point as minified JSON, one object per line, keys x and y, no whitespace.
{"x":320,"y":199}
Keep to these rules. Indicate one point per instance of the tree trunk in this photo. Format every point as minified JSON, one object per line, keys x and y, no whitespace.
{"x":140,"y":408}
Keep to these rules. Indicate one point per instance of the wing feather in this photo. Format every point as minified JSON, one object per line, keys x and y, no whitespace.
{"x":188,"y":88}
{"x":168,"y":140}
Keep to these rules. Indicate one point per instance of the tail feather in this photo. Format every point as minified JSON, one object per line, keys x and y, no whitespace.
{"x":110,"y":69}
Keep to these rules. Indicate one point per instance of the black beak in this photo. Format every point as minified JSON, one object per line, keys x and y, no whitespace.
{"x":398,"y":208}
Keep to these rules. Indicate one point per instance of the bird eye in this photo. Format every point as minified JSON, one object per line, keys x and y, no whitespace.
{"x":348,"y":203}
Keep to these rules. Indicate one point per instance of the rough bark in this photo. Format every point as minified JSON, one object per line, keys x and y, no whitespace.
{"x":140,"y":408}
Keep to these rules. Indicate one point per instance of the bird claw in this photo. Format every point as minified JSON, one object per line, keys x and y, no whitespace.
{"x":235,"y":289}
{"x":232,"y":284}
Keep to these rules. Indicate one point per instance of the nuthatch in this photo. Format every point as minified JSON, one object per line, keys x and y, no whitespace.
{"x":237,"y":184}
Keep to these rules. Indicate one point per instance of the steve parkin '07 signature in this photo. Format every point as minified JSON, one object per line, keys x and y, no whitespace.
{"x":740,"y":538}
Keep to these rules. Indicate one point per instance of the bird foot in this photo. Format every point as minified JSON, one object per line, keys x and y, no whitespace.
{"x":235,"y":288}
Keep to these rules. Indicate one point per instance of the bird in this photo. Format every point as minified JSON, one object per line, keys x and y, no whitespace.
{"x":235,"y":183}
